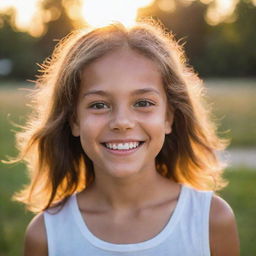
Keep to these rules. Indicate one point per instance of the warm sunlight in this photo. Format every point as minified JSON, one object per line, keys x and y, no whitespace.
{"x":26,"y":17}
{"x":30,"y":16}
{"x":99,"y":13}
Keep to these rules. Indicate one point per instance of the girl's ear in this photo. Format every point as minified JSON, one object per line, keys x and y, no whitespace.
{"x":75,"y":129}
{"x":169,"y":121}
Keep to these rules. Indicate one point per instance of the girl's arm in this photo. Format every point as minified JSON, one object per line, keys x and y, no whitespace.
{"x":35,"y":238}
{"x":224,"y":238}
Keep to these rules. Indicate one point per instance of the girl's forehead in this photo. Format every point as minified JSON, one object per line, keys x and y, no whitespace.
{"x":122,"y":67}
{"x":121,"y":59}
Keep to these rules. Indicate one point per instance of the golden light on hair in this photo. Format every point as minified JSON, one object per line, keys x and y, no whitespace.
{"x":98,"y":13}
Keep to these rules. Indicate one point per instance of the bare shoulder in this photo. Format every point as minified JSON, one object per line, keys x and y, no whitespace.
{"x":224,"y":239}
{"x":35,"y":237}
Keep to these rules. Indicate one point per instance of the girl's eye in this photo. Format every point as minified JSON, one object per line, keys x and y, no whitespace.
{"x":144,"y":103}
{"x":98,"y":105}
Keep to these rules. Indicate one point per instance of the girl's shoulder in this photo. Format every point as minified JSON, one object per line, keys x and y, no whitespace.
{"x":223,"y":231}
{"x":221,"y":212}
{"x":36,"y":238}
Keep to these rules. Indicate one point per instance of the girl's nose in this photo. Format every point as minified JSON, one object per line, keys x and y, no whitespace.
{"x":122,"y":119}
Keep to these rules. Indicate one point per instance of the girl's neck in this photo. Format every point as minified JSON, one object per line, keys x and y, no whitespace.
{"x":135,"y":192}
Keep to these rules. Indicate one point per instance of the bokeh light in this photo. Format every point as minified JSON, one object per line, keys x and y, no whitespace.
{"x":27,"y":15}
{"x":221,"y":10}
{"x":31,"y":17}
{"x":167,"y":5}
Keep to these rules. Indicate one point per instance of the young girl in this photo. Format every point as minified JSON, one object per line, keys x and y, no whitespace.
{"x":121,"y":153}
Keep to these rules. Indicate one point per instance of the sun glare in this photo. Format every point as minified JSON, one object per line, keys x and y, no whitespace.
{"x":99,"y":13}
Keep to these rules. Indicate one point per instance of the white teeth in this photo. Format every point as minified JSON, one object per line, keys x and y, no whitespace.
{"x":122,"y":146}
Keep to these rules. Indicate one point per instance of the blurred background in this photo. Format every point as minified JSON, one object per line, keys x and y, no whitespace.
{"x":219,"y":37}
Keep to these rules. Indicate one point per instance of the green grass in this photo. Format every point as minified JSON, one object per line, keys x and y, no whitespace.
{"x":13,"y":218}
{"x":241,"y":195}
{"x":236,"y":104}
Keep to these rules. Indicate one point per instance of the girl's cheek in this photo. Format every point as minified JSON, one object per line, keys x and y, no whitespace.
{"x":153,"y":117}
{"x":93,"y":121}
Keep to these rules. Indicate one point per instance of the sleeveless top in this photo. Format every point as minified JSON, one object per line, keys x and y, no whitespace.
{"x":185,"y":234}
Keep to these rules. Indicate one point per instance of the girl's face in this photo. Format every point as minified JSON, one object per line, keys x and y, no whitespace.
{"x":122,"y":115}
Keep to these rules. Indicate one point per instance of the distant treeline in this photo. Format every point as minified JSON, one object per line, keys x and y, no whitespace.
{"x":225,"y":50}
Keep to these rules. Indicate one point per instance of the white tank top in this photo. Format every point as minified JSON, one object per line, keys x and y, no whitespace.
{"x":185,"y":234}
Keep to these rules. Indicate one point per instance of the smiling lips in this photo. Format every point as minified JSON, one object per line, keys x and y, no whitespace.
{"x":124,"y":146}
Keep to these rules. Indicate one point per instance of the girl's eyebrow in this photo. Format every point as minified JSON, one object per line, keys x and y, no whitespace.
{"x":97,"y":92}
{"x":145,"y":90}
{"x":136,"y":92}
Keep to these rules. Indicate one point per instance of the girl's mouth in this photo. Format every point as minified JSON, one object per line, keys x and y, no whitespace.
{"x":123,"y":147}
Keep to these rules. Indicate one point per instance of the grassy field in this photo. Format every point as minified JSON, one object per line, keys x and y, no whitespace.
{"x":13,"y":218}
{"x":236,"y":104}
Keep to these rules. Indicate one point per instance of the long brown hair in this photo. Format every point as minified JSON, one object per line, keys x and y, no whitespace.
{"x":55,"y":159}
